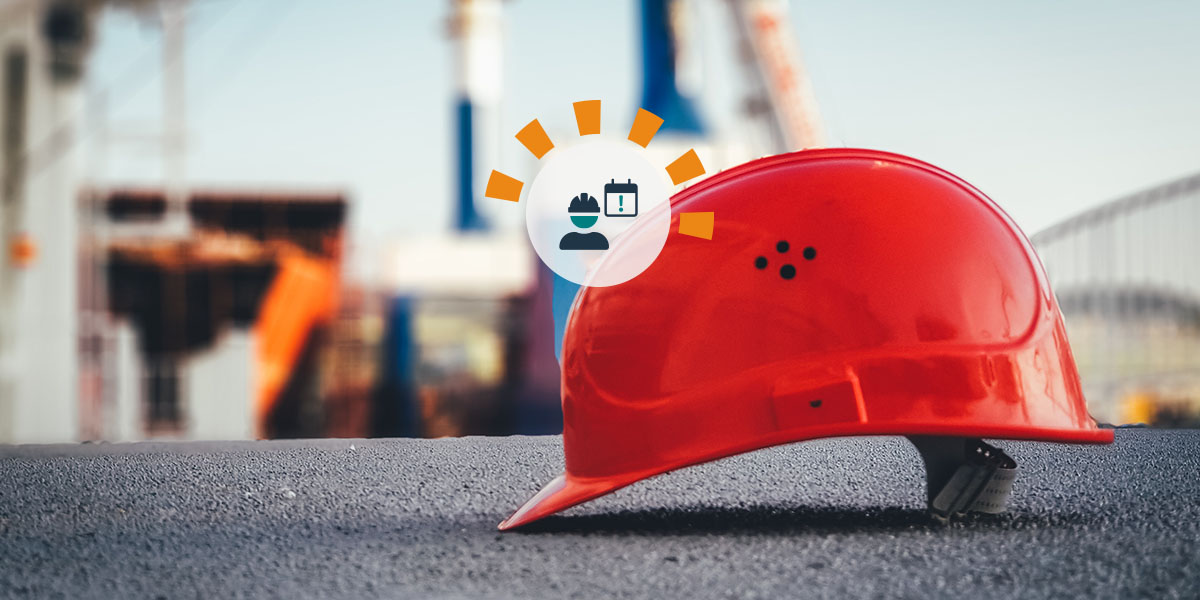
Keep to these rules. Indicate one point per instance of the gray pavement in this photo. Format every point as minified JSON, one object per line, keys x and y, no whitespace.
{"x":416,"y":518}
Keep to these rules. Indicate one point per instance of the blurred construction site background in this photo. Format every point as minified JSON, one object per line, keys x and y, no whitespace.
{"x":227,"y":219}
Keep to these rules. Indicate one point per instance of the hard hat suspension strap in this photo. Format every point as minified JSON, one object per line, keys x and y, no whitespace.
{"x":965,"y":475}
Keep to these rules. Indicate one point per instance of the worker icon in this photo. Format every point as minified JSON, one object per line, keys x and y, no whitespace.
{"x":574,"y":249}
{"x":584,"y":211}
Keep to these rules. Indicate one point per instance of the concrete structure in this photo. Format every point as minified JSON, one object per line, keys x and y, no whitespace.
{"x":1128,"y":281}
{"x":42,"y":50}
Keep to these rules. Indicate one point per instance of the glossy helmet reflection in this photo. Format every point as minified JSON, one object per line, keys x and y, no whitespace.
{"x":843,"y":292}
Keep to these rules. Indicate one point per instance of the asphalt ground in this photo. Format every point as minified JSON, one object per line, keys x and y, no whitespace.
{"x":417,"y":518}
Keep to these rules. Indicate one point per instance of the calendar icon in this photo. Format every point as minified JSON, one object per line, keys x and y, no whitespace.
{"x":620,"y":199}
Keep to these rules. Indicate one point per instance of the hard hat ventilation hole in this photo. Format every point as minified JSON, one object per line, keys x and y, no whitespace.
{"x":787,"y":271}
{"x":815,"y":403}
{"x":810,"y":253}
{"x":782,"y":246}
{"x":760,"y":262}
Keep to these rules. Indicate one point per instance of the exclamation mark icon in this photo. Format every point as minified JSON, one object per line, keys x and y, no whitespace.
{"x":621,"y":203}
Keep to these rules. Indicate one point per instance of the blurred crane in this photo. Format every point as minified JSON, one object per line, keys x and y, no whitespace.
{"x":780,"y":98}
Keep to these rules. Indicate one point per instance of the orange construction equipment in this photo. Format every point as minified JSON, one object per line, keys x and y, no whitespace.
{"x":302,"y":295}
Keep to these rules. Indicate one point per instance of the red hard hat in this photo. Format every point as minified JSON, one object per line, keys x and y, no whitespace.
{"x":843,"y":292}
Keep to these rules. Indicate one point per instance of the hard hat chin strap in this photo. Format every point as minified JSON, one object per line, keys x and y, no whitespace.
{"x":964,"y":475}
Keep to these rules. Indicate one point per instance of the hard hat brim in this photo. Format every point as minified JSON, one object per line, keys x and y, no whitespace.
{"x":567,"y":490}
{"x":562,"y":493}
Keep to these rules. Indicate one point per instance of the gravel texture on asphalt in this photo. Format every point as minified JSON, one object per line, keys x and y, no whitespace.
{"x":417,"y":518}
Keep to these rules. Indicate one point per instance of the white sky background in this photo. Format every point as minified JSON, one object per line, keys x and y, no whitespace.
{"x":1048,"y":107}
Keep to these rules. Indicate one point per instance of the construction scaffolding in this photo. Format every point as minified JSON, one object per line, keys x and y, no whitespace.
{"x":1128,"y":282}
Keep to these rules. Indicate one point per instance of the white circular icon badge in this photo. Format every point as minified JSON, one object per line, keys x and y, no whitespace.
{"x":585,"y":198}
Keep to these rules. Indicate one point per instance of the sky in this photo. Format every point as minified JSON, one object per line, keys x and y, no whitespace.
{"x":1048,"y":107}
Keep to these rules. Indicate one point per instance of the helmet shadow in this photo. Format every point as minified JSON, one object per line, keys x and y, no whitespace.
{"x":784,"y":520}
